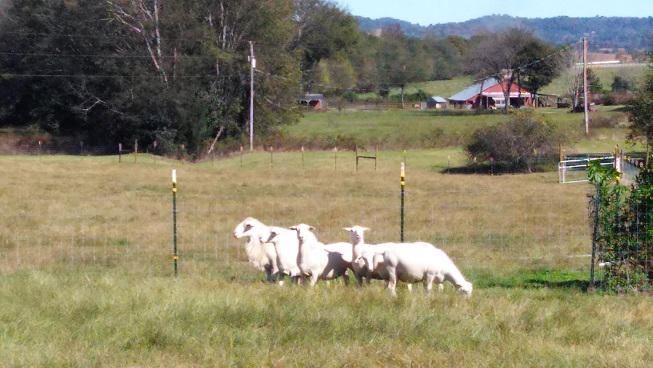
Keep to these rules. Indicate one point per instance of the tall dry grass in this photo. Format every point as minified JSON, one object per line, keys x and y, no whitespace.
{"x":87,"y":277}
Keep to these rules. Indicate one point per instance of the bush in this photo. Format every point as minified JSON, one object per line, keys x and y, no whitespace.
{"x":623,"y":235}
{"x":598,"y":120}
{"x":612,"y":99}
{"x":521,"y":142}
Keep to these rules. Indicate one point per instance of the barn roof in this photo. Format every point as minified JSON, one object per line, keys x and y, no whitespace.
{"x":473,"y":90}
{"x":437,"y":99}
{"x":491,"y":88}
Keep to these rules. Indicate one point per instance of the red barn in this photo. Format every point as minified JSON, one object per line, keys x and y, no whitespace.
{"x":491,"y":96}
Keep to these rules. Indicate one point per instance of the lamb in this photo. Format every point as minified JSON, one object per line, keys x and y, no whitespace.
{"x":371,"y":259}
{"x":263,"y":252}
{"x":319,"y":261}
{"x":412,"y":262}
{"x":262,"y":256}
{"x":359,"y":246}
{"x":286,"y":245}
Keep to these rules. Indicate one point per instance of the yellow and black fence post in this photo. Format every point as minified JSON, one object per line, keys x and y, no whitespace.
{"x":403,"y":185}
{"x":175,"y":255}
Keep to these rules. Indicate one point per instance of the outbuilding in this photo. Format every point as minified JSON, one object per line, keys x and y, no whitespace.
{"x":313,"y":101}
{"x":436,"y":102}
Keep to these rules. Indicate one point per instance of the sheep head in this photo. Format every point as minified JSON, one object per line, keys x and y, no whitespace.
{"x":246,"y":227}
{"x":370,"y":259}
{"x":267,"y":235}
{"x":466,"y":289}
{"x":356,"y":233}
{"x":304,"y":232}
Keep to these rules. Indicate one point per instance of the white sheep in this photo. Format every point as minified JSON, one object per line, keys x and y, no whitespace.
{"x":319,"y":261}
{"x":371,"y":259}
{"x":358,"y":246}
{"x":262,"y":256}
{"x":286,"y":245}
{"x":413,"y":262}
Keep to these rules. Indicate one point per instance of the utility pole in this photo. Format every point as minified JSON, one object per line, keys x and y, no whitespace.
{"x":252,"y":65}
{"x":585,"y":94}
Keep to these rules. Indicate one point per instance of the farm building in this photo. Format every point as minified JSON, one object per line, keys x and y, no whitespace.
{"x":491,"y":96}
{"x":436,"y":102}
{"x":313,"y":101}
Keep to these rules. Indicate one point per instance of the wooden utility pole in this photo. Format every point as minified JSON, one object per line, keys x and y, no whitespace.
{"x":585,"y":94}
{"x":252,"y":66}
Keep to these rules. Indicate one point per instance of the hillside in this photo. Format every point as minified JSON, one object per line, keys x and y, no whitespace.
{"x":605,"y":34}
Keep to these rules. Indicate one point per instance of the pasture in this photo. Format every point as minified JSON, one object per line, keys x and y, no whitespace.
{"x":87,"y":274}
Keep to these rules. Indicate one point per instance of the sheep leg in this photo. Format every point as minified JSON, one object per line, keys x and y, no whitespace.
{"x":268,"y":275}
{"x":359,"y":280}
{"x":313,"y":280}
{"x":392,"y":283}
{"x":428,"y":283}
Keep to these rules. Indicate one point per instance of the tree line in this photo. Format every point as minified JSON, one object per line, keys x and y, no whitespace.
{"x":178,"y":73}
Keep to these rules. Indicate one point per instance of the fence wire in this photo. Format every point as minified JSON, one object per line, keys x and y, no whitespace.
{"x":481,"y":228}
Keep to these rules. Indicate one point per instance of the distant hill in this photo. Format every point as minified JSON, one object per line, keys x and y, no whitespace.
{"x":603,"y":33}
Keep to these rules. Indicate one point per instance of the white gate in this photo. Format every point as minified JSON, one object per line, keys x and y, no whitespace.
{"x":575,"y":170}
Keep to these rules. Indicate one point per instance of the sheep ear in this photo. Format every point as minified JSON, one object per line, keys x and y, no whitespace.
{"x":293,"y":227}
{"x":347,"y":228}
{"x":366,"y":228}
{"x":311,"y":228}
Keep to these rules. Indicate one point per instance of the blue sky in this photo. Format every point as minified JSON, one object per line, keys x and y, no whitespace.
{"x":425,"y":12}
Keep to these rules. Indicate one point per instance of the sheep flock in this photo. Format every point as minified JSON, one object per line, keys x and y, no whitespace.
{"x":296,"y":252}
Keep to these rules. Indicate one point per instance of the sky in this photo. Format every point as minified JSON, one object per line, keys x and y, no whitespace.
{"x":426,"y":12}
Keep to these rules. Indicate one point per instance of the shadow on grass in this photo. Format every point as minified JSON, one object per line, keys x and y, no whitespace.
{"x":536,"y":279}
{"x":497,"y":168}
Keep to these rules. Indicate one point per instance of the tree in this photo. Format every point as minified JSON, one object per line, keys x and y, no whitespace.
{"x":538,"y":65}
{"x":622,"y":84}
{"x":517,"y":142}
{"x":497,"y":56}
{"x":640,"y":114}
{"x":322,"y":31}
{"x":174,"y":72}
{"x":402,"y":60}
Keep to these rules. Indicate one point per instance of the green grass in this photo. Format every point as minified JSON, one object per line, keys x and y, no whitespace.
{"x":87,"y":276}
{"x":401,"y":129}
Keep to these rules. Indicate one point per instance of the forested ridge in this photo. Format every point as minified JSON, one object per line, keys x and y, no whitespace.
{"x":176,"y":76}
{"x":628,"y":33}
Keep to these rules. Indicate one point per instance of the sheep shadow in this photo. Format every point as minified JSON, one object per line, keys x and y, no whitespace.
{"x":538,"y":283}
{"x":536,"y":280}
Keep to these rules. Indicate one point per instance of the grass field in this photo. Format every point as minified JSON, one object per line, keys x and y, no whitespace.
{"x":405,"y":129}
{"x":87,"y":273}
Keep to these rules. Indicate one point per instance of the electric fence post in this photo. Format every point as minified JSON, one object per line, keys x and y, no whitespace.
{"x":403,"y":185}
{"x":175,"y":255}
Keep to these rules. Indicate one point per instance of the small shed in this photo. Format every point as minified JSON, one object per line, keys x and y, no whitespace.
{"x":436,"y":102}
{"x":313,"y":101}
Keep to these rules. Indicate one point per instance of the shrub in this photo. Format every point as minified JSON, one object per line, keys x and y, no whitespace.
{"x":525,"y":139}
{"x":611,"y":121}
{"x":622,"y":228}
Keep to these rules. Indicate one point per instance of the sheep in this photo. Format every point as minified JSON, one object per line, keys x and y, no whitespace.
{"x":358,"y":246}
{"x":286,"y":245}
{"x":262,"y":256}
{"x":371,"y":259}
{"x":412,"y":262}
{"x":319,"y":261}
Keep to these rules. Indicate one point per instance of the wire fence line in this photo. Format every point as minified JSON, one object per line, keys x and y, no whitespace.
{"x":481,"y":228}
